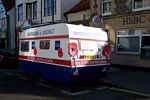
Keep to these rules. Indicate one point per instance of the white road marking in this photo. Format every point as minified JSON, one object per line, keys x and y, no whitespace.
{"x":76,"y":93}
{"x":101,"y":88}
{"x":82,"y":92}
{"x":44,"y":85}
{"x":131,"y":92}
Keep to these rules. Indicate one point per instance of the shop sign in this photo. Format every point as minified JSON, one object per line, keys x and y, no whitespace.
{"x":148,"y":18}
{"x":96,"y":20}
{"x":128,"y":20}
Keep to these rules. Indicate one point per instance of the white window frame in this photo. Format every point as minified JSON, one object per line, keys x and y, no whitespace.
{"x":108,"y":13}
{"x":139,"y":9}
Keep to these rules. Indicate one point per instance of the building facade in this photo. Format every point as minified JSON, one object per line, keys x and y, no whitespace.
{"x":35,"y":12}
{"x":128,"y":23}
{"x":80,"y":13}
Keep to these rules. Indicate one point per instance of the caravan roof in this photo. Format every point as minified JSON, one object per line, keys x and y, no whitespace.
{"x":74,"y":31}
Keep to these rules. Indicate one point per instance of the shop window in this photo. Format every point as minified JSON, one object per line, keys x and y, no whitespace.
{"x":106,"y":7}
{"x":128,"y":44}
{"x":57,"y":45}
{"x":25,"y":46}
{"x":44,"y":44}
{"x":141,"y":4}
{"x":128,"y":41}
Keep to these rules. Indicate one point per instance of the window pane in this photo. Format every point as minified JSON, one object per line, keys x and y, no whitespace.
{"x":57,"y":45}
{"x":45,"y":7}
{"x":44,"y":44}
{"x":20,"y":12}
{"x":128,"y":44}
{"x":49,"y":6}
{"x":25,"y":46}
{"x":29,"y":11}
{"x":33,"y":44}
{"x":107,"y":6}
{"x":35,"y":10}
{"x":145,"y":41}
{"x":55,"y":7}
{"x":138,"y":4}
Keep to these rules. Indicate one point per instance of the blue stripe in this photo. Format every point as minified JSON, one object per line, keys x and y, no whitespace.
{"x":62,"y":73}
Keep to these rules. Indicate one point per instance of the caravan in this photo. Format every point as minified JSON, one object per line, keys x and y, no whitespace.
{"x":65,"y":52}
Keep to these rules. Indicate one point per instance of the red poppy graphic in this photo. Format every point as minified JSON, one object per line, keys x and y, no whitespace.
{"x":107,"y":51}
{"x":60,"y":52}
{"x":34,"y":51}
{"x":72,"y":49}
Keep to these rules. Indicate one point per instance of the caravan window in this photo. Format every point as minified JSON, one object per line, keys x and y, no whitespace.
{"x":57,"y":44}
{"x":44,"y":44}
{"x":25,"y":46}
{"x":33,"y":44}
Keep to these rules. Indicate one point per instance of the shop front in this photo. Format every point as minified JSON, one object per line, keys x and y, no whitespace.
{"x":132,"y":39}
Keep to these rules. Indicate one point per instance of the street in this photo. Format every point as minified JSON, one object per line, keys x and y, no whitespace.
{"x":14,"y":85}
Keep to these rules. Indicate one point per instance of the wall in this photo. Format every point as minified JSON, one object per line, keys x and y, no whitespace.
{"x":78,"y":16}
